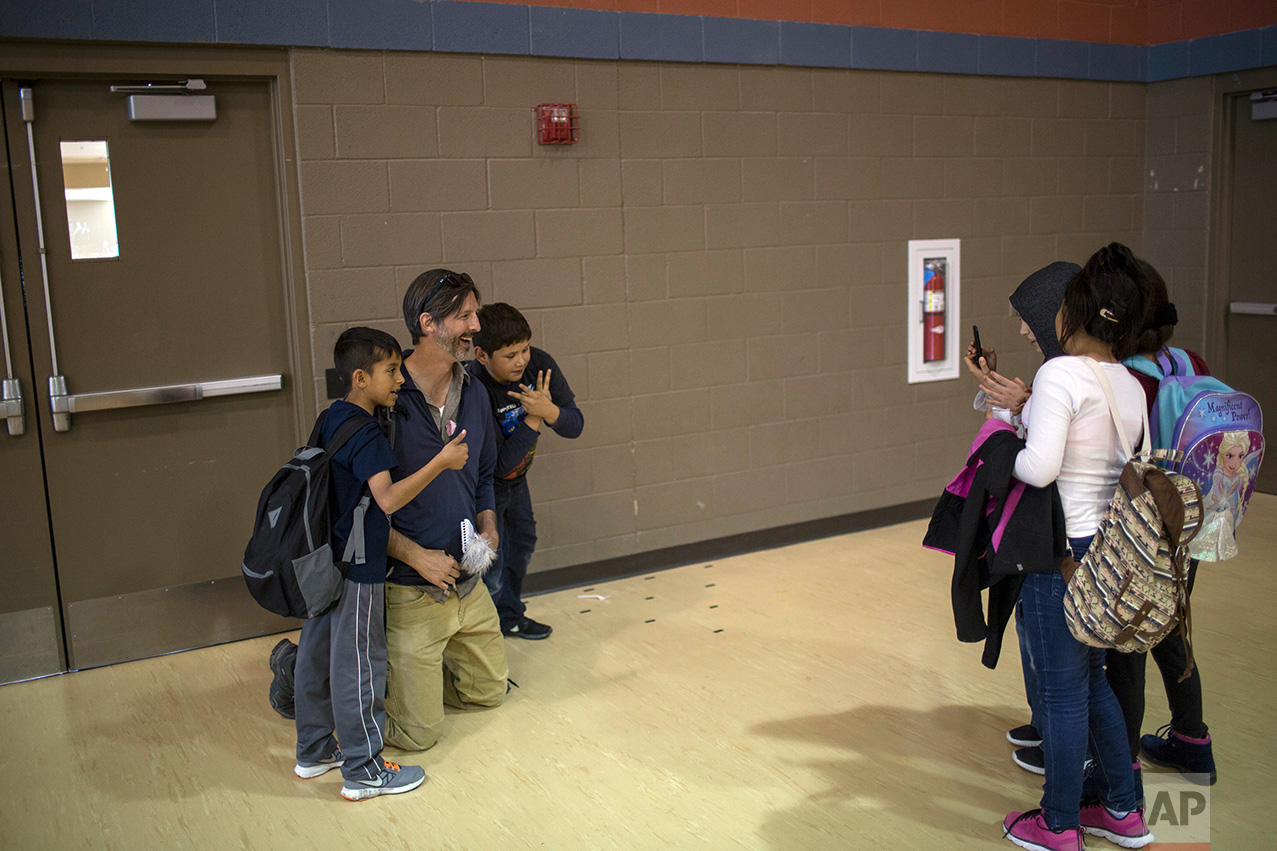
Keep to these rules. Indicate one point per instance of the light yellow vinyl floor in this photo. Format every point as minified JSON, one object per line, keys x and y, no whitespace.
{"x":810,"y":697}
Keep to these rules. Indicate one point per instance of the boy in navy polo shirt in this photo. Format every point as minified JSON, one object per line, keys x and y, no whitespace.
{"x":341,"y":655}
{"x":527,"y":391}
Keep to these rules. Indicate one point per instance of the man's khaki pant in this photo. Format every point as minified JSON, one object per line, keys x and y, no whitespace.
{"x":439,"y":653}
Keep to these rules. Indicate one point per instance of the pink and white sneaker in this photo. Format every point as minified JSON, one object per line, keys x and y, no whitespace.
{"x":1129,"y":832}
{"x":1029,"y":830}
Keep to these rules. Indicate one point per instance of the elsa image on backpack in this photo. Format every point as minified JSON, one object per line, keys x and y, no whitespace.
{"x":1232,"y":483}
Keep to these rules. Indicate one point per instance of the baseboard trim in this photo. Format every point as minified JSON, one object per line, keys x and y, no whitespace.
{"x":578,"y":575}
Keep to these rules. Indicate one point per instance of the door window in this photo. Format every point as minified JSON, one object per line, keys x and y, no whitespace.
{"x":86,"y":178}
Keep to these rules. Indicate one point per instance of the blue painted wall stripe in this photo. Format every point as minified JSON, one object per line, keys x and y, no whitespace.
{"x":154,"y":20}
{"x":579,"y":33}
{"x":949,"y":53}
{"x":1117,"y":62}
{"x":463,"y":27}
{"x":663,"y":38}
{"x":1168,"y":61}
{"x":481,"y":27}
{"x":369,"y":24}
{"x":1060,"y":58}
{"x":885,"y":49}
{"x":815,"y":45}
{"x":1008,"y":56}
{"x":740,"y":40}
{"x":1268,"y":53}
{"x":47,"y":19}
{"x":1217,"y":54}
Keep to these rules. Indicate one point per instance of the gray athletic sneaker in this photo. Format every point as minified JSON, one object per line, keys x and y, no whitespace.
{"x":310,"y":770}
{"x":393,"y":780}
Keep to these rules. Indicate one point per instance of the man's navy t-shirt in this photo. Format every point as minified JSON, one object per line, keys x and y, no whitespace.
{"x":365,"y":455}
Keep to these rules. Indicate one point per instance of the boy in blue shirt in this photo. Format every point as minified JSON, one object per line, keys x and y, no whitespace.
{"x":340,"y":678}
{"x":527,"y":391}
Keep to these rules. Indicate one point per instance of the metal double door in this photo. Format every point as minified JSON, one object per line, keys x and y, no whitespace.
{"x":1251,"y":337}
{"x":147,"y":381}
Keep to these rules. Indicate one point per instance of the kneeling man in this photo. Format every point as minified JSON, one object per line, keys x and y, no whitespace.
{"x":443,"y":636}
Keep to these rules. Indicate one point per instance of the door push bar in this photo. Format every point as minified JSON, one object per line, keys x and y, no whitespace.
{"x":1257,"y":308}
{"x":12,"y":407}
{"x":65,"y":404}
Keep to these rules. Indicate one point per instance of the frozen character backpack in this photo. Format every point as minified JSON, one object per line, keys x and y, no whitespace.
{"x":1220,"y":433}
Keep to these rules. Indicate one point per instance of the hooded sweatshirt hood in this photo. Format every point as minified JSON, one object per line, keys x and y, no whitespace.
{"x":1038,"y":300}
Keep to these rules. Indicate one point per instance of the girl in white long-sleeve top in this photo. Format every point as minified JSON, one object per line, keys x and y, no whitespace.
{"x":1072,"y":442}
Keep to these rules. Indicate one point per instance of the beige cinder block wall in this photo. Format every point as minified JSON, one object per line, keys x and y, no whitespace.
{"x":719,"y":266}
{"x":1178,"y":184}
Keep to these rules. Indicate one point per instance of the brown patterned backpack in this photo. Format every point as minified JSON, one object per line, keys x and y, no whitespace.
{"x":1130,"y":591}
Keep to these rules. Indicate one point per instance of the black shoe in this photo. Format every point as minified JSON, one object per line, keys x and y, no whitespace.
{"x":527,"y":628}
{"x":1030,"y":759}
{"x":1172,"y":749}
{"x":283,"y":662}
{"x":1025,"y":736}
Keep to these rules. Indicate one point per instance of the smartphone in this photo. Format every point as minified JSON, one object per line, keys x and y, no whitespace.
{"x":979,"y":352}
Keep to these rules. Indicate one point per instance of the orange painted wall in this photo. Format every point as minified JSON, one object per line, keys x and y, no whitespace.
{"x":1175,"y":20}
{"x":1115,"y":21}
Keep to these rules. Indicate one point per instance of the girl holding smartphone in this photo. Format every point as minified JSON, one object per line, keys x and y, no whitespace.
{"x":1071,"y":441}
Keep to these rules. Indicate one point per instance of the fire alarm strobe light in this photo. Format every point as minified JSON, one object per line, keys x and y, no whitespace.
{"x":557,"y":124}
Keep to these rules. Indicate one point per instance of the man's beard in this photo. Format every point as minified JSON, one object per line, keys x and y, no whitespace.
{"x":453,"y":346}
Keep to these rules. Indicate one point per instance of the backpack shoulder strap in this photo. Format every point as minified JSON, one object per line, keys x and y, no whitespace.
{"x":318,"y":429}
{"x":1144,"y":366}
{"x":1175,"y":362}
{"x":1117,"y":419}
{"x":344,"y":432}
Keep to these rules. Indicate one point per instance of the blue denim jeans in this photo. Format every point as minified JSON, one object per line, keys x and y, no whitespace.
{"x":1075,"y":704}
{"x":1030,"y":682}
{"x":517,"y":539}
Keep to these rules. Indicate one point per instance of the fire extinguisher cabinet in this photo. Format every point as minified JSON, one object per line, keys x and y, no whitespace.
{"x":934,"y":338}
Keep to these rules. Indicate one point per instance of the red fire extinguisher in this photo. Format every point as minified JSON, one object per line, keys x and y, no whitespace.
{"x":933,"y":310}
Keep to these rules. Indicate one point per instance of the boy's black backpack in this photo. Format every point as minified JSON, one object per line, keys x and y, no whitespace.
{"x":288,"y":565}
